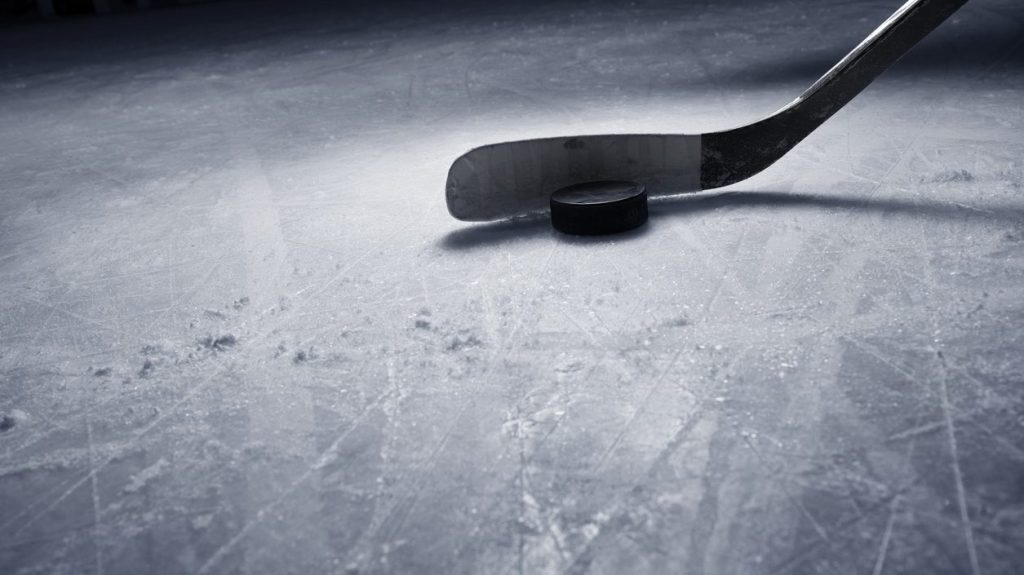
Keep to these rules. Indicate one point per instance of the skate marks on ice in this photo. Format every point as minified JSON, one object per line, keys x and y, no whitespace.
{"x":275,"y":353}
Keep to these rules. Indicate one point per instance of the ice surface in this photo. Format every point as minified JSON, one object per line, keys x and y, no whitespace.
{"x":239,"y":331}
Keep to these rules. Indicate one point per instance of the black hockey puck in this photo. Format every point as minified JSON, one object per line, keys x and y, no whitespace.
{"x":597,"y":208}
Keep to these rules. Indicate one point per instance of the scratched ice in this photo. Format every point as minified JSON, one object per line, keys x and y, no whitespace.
{"x":240,"y":333}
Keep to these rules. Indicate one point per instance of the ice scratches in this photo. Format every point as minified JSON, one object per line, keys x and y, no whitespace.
{"x":1011,"y":447}
{"x":875,"y":354}
{"x":95,"y":469}
{"x":726,"y":276}
{"x":94,"y":481}
{"x":533,"y":520}
{"x":883,"y":548}
{"x":326,"y":457}
{"x":523,"y":427}
{"x":341,"y":273}
{"x":916,"y":431}
{"x":948,"y":424}
{"x":185,"y":294}
{"x":538,"y":427}
{"x":796,"y":502}
{"x":624,"y":514}
{"x":155,"y":356}
{"x":587,"y":332}
{"x":970,"y":417}
{"x":638,"y":412}
{"x":388,"y":450}
{"x":720,"y":447}
{"x":807,"y":551}
{"x":393,"y":521}
{"x":219,"y":343}
{"x":965,"y":519}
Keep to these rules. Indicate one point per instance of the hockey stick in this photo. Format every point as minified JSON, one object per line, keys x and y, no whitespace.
{"x":512,"y":178}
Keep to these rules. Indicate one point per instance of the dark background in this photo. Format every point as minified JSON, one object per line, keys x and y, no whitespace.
{"x":30,"y":43}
